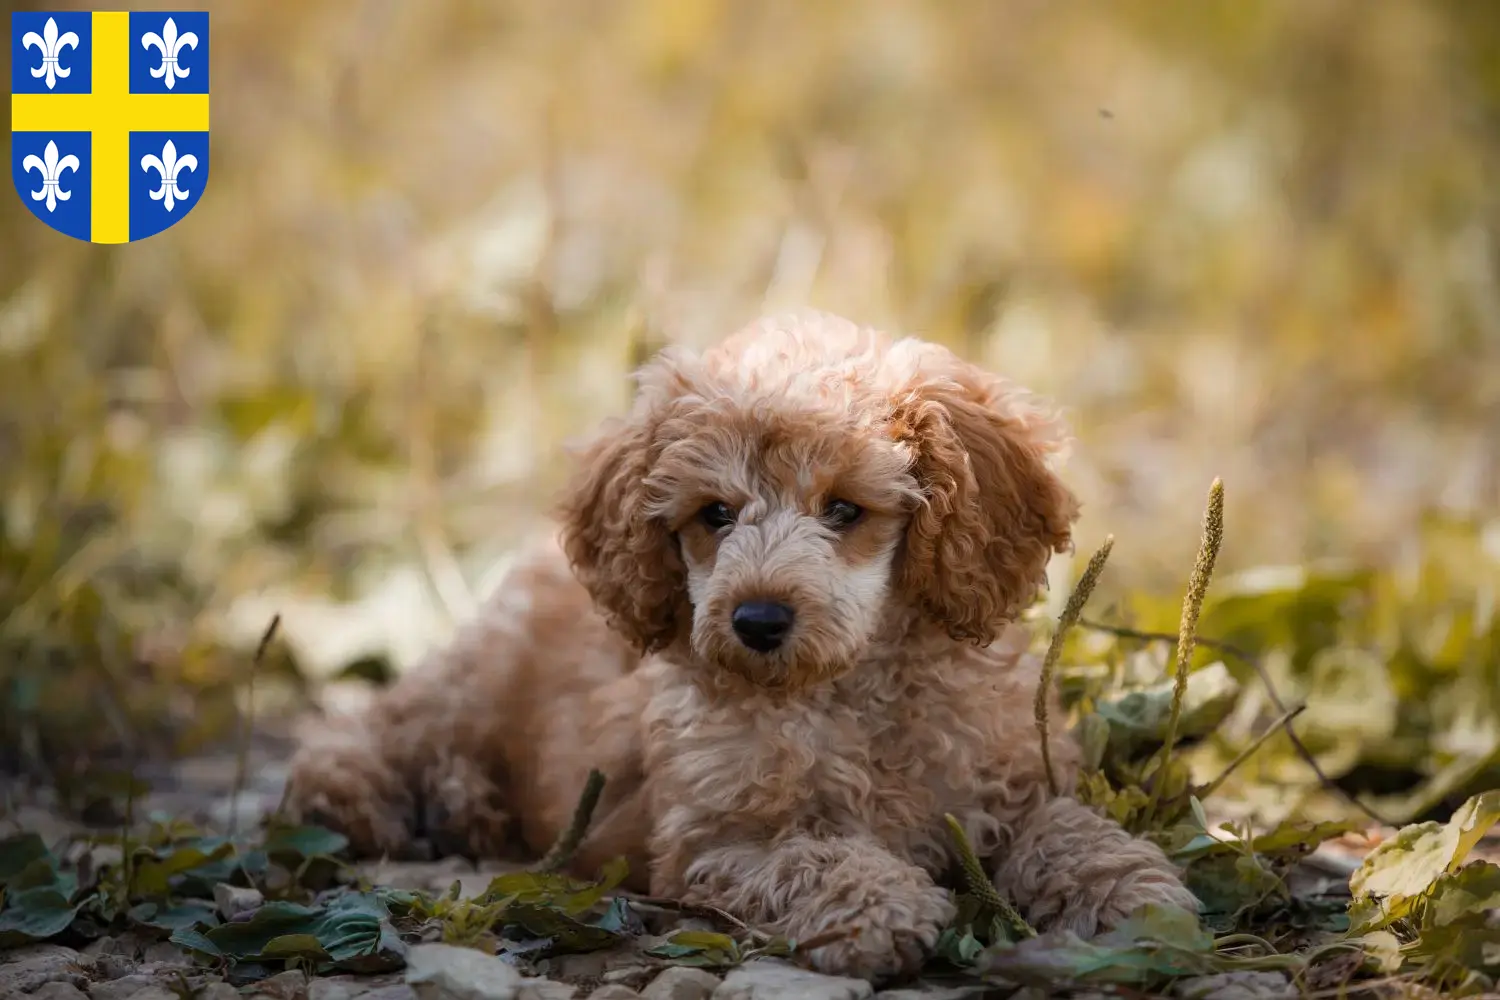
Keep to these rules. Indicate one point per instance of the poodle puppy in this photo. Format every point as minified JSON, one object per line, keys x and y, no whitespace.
{"x":780,"y":615}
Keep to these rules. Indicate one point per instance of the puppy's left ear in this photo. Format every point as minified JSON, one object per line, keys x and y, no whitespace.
{"x":976,"y":551}
{"x":625,"y":558}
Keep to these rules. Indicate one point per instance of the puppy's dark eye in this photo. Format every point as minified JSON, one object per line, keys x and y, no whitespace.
{"x":717,"y":515}
{"x":842,"y":513}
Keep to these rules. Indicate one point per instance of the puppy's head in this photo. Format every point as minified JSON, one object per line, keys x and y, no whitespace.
{"x":792,"y":496}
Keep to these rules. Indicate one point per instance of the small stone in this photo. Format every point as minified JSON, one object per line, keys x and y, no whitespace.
{"x":633,"y":976}
{"x":545,"y":989}
{"x":123,"y":988}
{"x":681,"y":982}
{"x":289,"y":985}
{"x":359,"y":988}
{"x":445,"y":972}
{"x":339,"y":988}
{"x":161,"y":954}
{"x":232,"y":900}
{"x":114,"y":965}
{"x":1245,"y":985}
{"x":934,"y":991}
{"x":155,"y":993}
{"x":58,"y":991}
{"x":28,"y":969}
{"x":396,"y":991}
{"x":614,"y":991}
{"x":218,"y":990}
{"x":767,"y":978}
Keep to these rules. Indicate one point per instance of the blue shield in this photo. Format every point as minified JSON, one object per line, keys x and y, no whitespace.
{"x":109,"y":119}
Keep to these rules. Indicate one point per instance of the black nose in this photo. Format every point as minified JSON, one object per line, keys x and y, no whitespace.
{"x":762,"y":625}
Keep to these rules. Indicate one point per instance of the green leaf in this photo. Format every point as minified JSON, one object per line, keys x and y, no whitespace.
{"x":554,"y":890}
{"x":957,"y":947}
{"x":35,"y":915}
{"x":703,"y":939}
{"x":1231,"y":883}
{"x":1470,"y":892}
{"x":1139,"y":718}
{"x":567,"y":933}
{"x":19,"y":852}
{"x":1155,"y":942}
{"x":1382,"y":951}
{"x":352,"y":932}
{"x":305,"y":946}
{"x":195,"y":941}
{"x":1401,"y":871}
{"x":153,"y":877}
{"x":184,"y":915}
{"x":246,"y":939}
{"x":704,"y":949}
{"x":296,"y":843}
{"x":1296,"y":839}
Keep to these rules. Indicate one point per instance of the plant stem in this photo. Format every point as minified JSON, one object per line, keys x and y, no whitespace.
{"x":566,"y":846}
{"x":1187,"y":633}
{"x":1254,"y":662}
{"x":1069,"y":617}
{"x":242,"y":757}
{"x":981,"y":886}
{"x":1245,"y":754}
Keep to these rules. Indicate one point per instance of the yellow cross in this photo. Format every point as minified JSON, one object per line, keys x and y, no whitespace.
{"x":111,"y":113}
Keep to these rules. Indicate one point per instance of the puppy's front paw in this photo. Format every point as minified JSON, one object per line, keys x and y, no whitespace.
{"x":1153,"y":885}
{"x":348,"y":788}
{"x":463,"y":812}
{"x":889,"y":935}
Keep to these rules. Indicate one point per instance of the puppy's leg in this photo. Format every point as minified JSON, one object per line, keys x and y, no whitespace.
{"x":1068,"y":867}
{"x":340,"y":779}
{"x":802,"y":886}
{"x":411,"y":764}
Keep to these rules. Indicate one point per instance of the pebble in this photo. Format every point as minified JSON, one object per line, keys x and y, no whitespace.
{"x":933,"y":991}
{"x":680,"y":982}
{"x":217,"y":990}
{"x":155,"y":993}
{"x":1243,"y":985}
{"x":444,"y":972}
{"x":289,"y":985}
{"x":58,"y":991}
{"x":545,"y":989}
{"x":30,"y":968}
{"x":232,"y":900}
{"x":614,"y":991}
{"x":361,"y":987}
{"x":123,"y":987}
{"x":767,"y":978}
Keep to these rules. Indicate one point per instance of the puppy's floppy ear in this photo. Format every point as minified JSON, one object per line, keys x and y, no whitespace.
{"x":976,"y":551}
{"x":626,"y":559}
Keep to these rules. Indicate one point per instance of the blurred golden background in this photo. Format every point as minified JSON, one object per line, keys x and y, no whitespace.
{"x":1255,"y":240}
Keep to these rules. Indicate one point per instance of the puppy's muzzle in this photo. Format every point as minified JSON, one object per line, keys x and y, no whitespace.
{"x":762,"y":625}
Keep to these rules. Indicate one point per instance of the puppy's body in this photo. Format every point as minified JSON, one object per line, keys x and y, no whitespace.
{"x":780,"y":621}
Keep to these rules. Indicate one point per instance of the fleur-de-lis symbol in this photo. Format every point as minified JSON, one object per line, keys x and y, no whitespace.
{"x":169,"y":165}
{"x":52,"y":48}
{"x":51,"y":168}
{"x":171,"y":45}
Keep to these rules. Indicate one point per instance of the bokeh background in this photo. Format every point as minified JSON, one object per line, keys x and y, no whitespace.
{"x":1253,"y":240}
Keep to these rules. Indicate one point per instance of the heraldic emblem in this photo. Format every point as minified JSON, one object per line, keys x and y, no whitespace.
{"x":109,"y":119}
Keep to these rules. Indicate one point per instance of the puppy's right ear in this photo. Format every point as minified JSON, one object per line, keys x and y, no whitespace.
{"x":625,"y":558}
